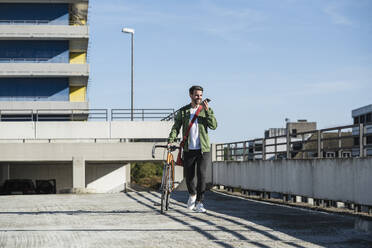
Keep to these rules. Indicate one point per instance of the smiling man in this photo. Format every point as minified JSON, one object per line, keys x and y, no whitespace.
{"x":196,"y":152}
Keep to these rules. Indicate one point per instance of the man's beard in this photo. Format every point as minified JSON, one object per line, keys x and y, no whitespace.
{"x":197,"y":101}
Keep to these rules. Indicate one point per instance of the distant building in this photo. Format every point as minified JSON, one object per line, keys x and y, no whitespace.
{"x":276,"y":138}
{"x":362,"y":115}
{"x":43,"y":57}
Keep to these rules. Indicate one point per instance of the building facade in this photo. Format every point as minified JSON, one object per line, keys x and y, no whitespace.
{"x":362,"y":115}
{"x":43,"y":55}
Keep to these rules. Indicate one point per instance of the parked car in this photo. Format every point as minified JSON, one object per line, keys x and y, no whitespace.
{"x":46,"y":186}
{"x":27,"y":186}
{"x":18,"y":187}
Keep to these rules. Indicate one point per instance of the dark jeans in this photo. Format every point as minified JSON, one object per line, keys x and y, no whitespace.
{"x":192,"y":159}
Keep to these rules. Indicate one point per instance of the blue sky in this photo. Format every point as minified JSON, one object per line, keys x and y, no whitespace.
{"x":260,"y":61}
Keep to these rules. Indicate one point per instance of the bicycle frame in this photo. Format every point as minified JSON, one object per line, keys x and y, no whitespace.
{"x":167,"y":181}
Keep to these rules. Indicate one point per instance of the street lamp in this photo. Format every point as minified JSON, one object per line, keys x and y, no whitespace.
{"x":131,"y":32}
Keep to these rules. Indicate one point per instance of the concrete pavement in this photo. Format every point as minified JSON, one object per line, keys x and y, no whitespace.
{"x":134,"y":220}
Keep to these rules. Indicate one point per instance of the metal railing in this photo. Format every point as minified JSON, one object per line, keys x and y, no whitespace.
{"x":171,"y":116}
{"x":140,"y":114}
{"x":71,"y":114}
{"x":41,"y":22}
{"x":53,"y":115}
{"x":334,"y":142}
{"x":82,"y":114}
{"x":33,"y":60}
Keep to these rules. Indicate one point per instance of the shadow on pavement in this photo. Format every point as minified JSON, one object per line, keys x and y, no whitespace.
{"x":326,"y":230}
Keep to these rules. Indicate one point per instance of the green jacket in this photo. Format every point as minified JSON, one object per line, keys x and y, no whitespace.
{"x":205,"y":120}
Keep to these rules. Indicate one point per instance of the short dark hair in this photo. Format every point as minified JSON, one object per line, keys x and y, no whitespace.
{"x":195,"y":87}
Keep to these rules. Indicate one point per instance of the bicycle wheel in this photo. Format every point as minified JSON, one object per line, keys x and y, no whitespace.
{"x":164,"y":190}
{"x":164,"y":197}
{"x":170,"y":185}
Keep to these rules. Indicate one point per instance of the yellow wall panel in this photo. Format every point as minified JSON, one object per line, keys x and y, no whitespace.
{"x":78,"y":58}
{"x":78,"y":93}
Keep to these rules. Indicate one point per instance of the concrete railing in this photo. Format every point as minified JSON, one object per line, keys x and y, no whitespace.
{"x":44,"y":69}
{"x":85,"y":130}
{"x":44,"y":31}
{"x":343,"y":180}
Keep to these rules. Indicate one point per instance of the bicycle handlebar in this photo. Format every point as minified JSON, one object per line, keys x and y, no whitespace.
{"x":169,"y":148}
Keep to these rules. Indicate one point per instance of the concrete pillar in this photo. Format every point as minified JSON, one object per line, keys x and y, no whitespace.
{"x":127,"y":174}
{"x":5,"y":173}
{"x":78,"y":173}
{"x":209,"y":171}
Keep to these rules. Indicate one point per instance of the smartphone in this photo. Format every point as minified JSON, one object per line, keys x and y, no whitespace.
{"x":207,"y":99}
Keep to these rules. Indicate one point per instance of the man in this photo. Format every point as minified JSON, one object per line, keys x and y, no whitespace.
{"x":196,"y":152}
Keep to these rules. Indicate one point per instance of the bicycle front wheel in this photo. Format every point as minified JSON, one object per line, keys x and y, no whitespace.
{"x":164,"y":198}
{"x":164,"y":190}
{"x":170,"y":174}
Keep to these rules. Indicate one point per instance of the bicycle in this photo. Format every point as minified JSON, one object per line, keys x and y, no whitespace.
{"x":167,"y":180}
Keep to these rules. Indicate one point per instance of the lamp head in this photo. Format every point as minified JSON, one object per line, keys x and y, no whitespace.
{"x":128,"y":30}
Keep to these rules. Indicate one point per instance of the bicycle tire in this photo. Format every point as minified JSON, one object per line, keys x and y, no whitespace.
{"x":164,"y":196}
{"x":164,"y":190}
{"x":170,"y":184}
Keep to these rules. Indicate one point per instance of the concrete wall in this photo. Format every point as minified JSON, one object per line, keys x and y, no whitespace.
{"x":72,"y":129}
{"x":43,"y":69}
{"x":17,"y":130}
{"x":345,"y":180}
{"x":43,"y":32}
{"x":85,"y":130}
{"x":131,"y":151}
{"x":106,"y":178}
{"x":140,"y":129}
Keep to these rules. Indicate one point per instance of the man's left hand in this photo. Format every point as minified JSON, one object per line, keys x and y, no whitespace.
{"x":205,"y":105}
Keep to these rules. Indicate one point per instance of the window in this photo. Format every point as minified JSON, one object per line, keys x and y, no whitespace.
{"x":368,"y":117}
{"x":362,"y":119}
{"x":356,"y":141}
{"x":294,"y":133}
{"x":330,"y":154}
{"x":369,"y":140}
{"x":356,"y":120}
{"x":346,"y":154}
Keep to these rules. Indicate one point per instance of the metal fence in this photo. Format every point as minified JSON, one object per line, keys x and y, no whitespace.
{"x":337,"y":142}
{"x":82,"y":114}
{"x":141,"y":114}
{"x":170,"y":116}
{"x":32,"y":60}
{"x":41,"y":22}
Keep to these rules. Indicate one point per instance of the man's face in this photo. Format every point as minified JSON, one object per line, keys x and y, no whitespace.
{"x":196,"y":97}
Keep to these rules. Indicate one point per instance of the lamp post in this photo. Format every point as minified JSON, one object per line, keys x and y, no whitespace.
{"x":131,"y":32}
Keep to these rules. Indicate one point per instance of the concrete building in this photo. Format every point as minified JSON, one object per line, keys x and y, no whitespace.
{"x":276,"y":138}
{"x":43,"y":56}
{"x":362,"y":115}
{"x":79,"y":155}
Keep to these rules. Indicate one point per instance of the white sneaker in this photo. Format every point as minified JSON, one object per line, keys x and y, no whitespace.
{"x":191,"y":202}
{"x":199,"y":208}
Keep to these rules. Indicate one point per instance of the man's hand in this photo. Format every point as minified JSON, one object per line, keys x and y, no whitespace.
{"x":205,"y":105}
